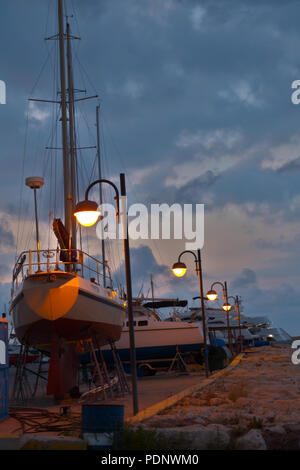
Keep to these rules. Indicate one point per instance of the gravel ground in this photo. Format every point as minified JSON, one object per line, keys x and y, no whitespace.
{"x":256,"y":406}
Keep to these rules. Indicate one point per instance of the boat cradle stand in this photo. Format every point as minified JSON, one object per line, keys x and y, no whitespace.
{"x":109,"y":387}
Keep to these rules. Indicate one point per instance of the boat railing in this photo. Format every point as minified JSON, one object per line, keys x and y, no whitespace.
{"x":50,"y":260}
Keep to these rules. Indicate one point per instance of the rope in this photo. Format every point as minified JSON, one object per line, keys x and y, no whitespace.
{"x":38,"y":420}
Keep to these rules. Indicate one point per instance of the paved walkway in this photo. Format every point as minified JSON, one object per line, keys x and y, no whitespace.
{"x":150,"y":391}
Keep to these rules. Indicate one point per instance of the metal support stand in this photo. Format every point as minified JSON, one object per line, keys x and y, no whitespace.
{"x":39,"y":374}
{"x":111,"y":386}
{"x":21,"y":389}
{"x":97,"y":370}
{"x":178,"y":363}
{"x":103,"y":367}
{"x":124,"y":388}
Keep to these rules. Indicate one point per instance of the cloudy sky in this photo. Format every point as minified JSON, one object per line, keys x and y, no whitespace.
{"x":196,"y":108}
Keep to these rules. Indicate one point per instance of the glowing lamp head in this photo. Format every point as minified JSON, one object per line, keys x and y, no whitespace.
{"x":179,"y":269}
{"x":87,"y":213}
{"x":211,"y":295}
{"x":226,"y":307}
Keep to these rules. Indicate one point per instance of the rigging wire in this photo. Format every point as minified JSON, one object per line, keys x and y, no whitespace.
{"x":50,"y":159}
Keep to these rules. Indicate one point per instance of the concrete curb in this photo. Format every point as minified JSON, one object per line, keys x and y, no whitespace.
{"x":154,"y":409}
{"x":40,"y":442}
{"x":11,"y":441}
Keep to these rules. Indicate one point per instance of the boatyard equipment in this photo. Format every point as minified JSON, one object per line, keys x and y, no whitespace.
{"x":4,"y":364}
{"x":112,"y":386}
{"x":102,"y":424}
{"x":22,"y":391}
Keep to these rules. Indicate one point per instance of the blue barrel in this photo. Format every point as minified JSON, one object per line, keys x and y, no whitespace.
{"x":4,"y":367}
{"x":101,"y":424}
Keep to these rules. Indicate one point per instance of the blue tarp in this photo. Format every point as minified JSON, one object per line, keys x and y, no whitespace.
{"x":215,"y":341}
{"x":261,"y":343}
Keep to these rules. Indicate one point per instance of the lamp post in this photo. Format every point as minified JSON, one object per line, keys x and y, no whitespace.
{"x":87,"y":214}
{"x":179,"y":269}
{"x":36,"y":182}
{"x":231,"y":297}
{"x":237,"y":307}
{"x":212,"y":295}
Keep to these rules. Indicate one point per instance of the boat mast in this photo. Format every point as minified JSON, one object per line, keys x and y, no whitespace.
{"x":152,"y":287}
{"x":152,"y":290}
{"x":100,"y":188}
{"x":72,"y":134}
{"x":65,"y":142}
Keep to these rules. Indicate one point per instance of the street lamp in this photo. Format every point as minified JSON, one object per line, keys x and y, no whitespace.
{"x":227,"y":307}
{"x":179,"y":269}
{"x":237,"y":308}
{"x":87,"y":214}
{"x":212,"y":295}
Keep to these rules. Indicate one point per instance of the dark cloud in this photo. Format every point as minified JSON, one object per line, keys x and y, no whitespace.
{"x":279,"y":304}
{"x":6,"y":236}
{"x":144,"y":265}
{"x":291,"y":166}
{"x":245,"y":279}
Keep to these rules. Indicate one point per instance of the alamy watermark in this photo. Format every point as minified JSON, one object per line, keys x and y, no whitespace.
{"x":296,"y":354}
{"x":159,"y":221}
{"x":2,"y":92}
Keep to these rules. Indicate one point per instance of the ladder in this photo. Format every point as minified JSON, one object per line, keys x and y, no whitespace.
{"x":21,"y":389}
{"x":124,"y":387}
{"x":178,"y":363}
{"x":109,"y":386}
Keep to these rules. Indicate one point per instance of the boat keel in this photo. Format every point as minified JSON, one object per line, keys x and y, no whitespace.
{"x":63,"y":368}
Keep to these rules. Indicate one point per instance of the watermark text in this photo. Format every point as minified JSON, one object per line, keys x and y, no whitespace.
{"x":2,"y":92}
{"x":159,"y":221}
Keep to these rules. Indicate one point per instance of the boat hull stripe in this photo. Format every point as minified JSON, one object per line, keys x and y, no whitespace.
{"x":100,"y":299}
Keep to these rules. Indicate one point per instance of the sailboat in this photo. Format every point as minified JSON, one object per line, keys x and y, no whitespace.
{"x":63,"y":295}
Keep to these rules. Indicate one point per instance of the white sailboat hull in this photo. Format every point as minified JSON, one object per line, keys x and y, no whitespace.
{"x":67,"y":306}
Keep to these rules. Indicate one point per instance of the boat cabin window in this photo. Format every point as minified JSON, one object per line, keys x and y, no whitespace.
{"x":143,"y":323}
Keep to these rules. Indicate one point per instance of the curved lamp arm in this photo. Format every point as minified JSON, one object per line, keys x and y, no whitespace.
{"x":117,"y":197}
{"x":219,"y":283}
{"x":236,"y":299}
{"x":187,"y":251}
